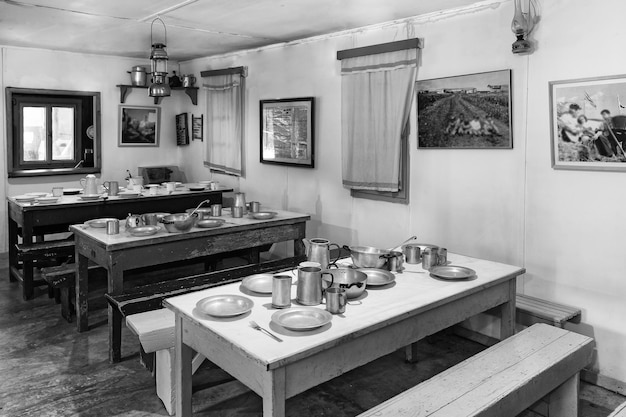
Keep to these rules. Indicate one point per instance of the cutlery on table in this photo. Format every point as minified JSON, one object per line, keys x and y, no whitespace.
{"x":255,"y":326}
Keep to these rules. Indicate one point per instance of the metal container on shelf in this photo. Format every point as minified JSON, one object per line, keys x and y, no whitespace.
{"x":138,"y":76}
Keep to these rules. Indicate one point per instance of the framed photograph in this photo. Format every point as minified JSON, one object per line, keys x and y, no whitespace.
{"x":182,"y":131}
{"x":197,"y":127}
{"x":139,"y":126}
{"x":588,"y":123}
{"x":465,"y":112}
{"x":287,"y":132}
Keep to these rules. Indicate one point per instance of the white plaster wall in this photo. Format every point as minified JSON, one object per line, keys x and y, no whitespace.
{"x":574,"y":220}
{"x":33,"y":68}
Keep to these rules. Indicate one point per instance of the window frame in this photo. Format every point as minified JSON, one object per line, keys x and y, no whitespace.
{"x":82,"y":101}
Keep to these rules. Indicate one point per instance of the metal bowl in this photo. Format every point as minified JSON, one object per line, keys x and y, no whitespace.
{"x":367,"y":256}
{"x":351,"y":280}
{"x":263,"y":215}
{"x":179,"y":222}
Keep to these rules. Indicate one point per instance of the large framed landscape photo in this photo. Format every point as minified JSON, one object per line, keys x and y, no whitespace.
{"x":465,"y":112}
{"x":588,"y":127}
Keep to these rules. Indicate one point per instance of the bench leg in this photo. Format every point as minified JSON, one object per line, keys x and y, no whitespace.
{"x":165,"y":376}
{"x":563,"y":401}
{"x":66,"y":310}
{"x":410,"y":353}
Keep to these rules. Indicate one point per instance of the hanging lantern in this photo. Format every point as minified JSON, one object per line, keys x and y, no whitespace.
{"x":158,"y":61}
{"x":521,"y":26}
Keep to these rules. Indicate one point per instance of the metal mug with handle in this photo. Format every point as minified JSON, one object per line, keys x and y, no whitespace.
{"x":112,"y":187}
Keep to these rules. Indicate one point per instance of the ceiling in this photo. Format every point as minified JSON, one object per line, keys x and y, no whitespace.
{"x":195,"y":28}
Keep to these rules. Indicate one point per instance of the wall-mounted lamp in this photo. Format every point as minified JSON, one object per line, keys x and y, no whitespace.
{"x":522,"y":24}
{"x":158,"y":61}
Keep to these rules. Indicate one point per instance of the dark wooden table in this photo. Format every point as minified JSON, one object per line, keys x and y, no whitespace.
{"x":31,"y":220}
{"x":123,"y":252}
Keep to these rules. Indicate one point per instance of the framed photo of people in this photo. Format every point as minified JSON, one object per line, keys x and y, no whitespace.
{"x":139,"y":125}
{"x":470,"y":111}
{"x":287,"y":132}
{"x":588,"y":123}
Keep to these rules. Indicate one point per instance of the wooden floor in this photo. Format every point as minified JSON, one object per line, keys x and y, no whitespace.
{"x":47,"y":369}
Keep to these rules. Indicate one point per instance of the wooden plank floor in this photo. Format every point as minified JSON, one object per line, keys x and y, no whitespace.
{"x":47,"y":369}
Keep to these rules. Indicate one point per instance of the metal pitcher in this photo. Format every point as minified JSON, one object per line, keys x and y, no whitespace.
{"x":318,"y":250}
{"x":309,"y":290}
{"x":240,"y":201}
{"x":89,"y":184}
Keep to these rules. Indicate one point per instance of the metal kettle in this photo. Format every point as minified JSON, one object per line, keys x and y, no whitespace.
{"x":318,"y":250}
{"x":89,"y":185}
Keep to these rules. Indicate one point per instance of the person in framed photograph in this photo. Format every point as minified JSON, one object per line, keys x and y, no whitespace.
{"x":571,"y":130}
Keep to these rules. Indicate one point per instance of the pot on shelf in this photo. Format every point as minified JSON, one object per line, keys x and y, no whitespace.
{"x":138,"y":76}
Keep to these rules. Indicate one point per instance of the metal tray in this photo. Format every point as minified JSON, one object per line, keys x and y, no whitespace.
{"x":99,"y":223}
{"x":302,"y":318}
{"x":225,"y":305}
{"x":143,"y":230}
{"x":209,"y":223}
{"x":452,"y":272}
{"x":261,"y":283}
{"x":378,"y":277}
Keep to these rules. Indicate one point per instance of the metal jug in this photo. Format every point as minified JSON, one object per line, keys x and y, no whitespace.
{"x":240,"y":201}
{"x":309,"y":287}
{"x":189,"y":80}
{"x":318,"y":250}
{"x":89,"y":184}
{"x":134,"y":220}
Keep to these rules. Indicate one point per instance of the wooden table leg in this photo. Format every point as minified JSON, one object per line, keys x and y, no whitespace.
{"x":12,"y":248}
{"x":115,"y":286}
{"x":28,"y":267}
{"x":81,"y":292}
{"x":184,"y":357}
{"x":274,"y":393}
{"x":410,"y":353}
{"x":507,"y":313}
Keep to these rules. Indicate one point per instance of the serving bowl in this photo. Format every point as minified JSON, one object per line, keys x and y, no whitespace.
{"x":179,"y":222}
{"x":367,"y":256}
{"x":352,"y":280}
{"x":263,"y":215}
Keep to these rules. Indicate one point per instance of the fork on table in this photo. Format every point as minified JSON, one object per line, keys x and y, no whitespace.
{"x":255,"y":326}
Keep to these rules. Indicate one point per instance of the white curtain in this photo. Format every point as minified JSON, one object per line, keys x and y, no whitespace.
{"x":376,"y":96}
{"x":225,"y":100}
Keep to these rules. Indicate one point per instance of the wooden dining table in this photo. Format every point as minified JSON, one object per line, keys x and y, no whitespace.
{"x":30,"y":220}
{"x":382,"y":320}
{"x":123,"y":252}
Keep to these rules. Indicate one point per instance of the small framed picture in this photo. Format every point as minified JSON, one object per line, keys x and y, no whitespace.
{"x":588,"y":123}
{"x":287,"y":132}
{"x":465,"y":112}
{"x":139,"y":125}
{"x":182,"y":130}
{"x":197,"y":127}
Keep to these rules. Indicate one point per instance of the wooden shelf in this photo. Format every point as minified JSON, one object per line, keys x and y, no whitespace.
{"x":125,"y":89}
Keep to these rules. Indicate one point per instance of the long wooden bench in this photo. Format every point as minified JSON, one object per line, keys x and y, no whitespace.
{"x":531,"y":310}
{"x":619,"y":411}
{"x":502,"y":380}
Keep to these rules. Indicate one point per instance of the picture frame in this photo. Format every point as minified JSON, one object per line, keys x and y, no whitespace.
{"x":182,"y":130}
{"x":197,"y":127}
{"x":139,"y":125}
{"x":287,"y":132}
{"x":588,"y":123}
{"x":471,"y":111}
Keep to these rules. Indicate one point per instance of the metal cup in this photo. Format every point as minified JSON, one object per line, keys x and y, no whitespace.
{"x":57,"y":191}
{"x":112,"y":187}
{"x":336,"y":300}
{"x":150,"y":219}
{"x":281,"y":291}
{"x":442,"y":256}
{"x":254,"y":206}
{"x":237,"y":211}
{"x":216,"y":210}
{"x":113,"y":227}
{"x":309,"y":289}
{"x":412,"y":254}
{"x":214,"y":186}
{"x":429,"y":258}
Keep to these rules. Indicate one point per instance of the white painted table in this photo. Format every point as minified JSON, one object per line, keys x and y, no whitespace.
{"x":387,"y":319}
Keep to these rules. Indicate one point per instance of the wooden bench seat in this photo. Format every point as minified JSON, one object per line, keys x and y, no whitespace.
{"x":502,"y":380}
{"x":531,"y":310}
{"x":40,"y":251}
{"x":619,"y":411}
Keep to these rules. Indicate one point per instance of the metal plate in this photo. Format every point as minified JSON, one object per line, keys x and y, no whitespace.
{"x":263,"y":215}
{"x":225,"y":305}
{"x":377,"y":277}
{"x":89,"y":197}
{"x":209,"y":223}
{"x":47,"y":200}
{"x":37,"y":194}
{"x":129,"y":194}
{"x":24,"y":198}
{"x":302,"y":318}
{"x":143,"y":230}
{"x":261,"y":283}
{"x":196,"y":187}
{"x":99,"y":223}
{"x":452,"y":272}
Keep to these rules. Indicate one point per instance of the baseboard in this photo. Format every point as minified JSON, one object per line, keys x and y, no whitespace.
{"x":586,"y":375}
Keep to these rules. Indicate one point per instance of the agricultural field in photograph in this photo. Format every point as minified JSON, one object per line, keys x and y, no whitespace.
{"x":437,"y":113}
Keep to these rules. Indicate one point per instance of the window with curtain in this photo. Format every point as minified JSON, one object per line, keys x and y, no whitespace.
{"x":225,"y":92}
{"x":377,"y":90}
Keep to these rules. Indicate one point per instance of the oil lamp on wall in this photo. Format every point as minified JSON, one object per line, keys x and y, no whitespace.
{"x":158,"y":60}
{"x":522,"y":24}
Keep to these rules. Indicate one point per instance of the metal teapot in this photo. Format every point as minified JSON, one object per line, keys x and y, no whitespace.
{"x":89,"y":185}
{"x":134,"y":220}
{"x":318,"y":250}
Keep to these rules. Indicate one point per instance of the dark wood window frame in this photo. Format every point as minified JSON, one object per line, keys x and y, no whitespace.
{"x":87,"y":111}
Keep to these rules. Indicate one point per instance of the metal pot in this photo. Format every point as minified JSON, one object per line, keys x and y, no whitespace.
{"x":351,"y":280}
{"x":203,"y":213}
{"x":367,"y":256}
{"x":138,"y":76}
{"x":179,"y":222}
